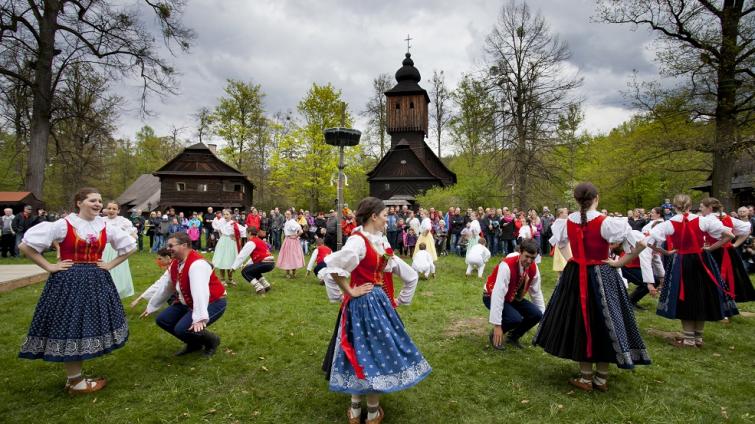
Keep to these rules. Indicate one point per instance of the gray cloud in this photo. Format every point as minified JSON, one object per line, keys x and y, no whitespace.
{"x":287,"y":45}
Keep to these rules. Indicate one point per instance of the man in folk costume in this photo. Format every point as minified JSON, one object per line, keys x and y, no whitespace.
{"x":200,"y":298}
{"x":261,"y":261}
{"x":317,"y":260}
{"x":505,"y":288}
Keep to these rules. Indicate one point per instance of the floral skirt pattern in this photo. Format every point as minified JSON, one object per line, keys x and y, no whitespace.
{"x":390,"y":360}
{"x":79,"y":316}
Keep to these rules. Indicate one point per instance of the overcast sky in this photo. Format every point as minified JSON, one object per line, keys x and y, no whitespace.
{"x":286,"y":45}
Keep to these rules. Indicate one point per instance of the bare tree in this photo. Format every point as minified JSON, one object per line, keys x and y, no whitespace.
{"x":440,"y":99}
{"x":83,"y":123}
{"x":204,"y":123}
{"x":376,"y":112}
{"x":532,"y":85}
{"x":106,"y":34}
{"x":712,"y":45}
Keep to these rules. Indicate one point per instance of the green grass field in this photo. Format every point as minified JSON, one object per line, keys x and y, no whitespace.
{"x":267,"y":369}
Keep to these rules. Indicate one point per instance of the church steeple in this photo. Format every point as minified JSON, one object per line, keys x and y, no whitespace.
{"x":407,"y":106}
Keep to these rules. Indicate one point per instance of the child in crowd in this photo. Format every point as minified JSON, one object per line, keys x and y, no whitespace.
{"x":464,"y":240}
{"x":409,"y":242}
{"x":175,"y":227}
{"x":401,"y":236}
{"x":304,"y":239}
{"x":163,"y":262}
{"x":194,"y":235}
{"x":423,"y":262}
{"x":441,"y":238}
{"x":477,"y":258}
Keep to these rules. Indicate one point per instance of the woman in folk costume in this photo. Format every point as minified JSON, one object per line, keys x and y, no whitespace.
{"x":227,"y":248}
{"x":693,"y":290}
{"x":589,"y":318}
{"x":727,"y":257}
{"x":372,"y":353}
{"x":291,"y":256}
{"x":474,"y":232}
{"x":122,"y":273}
{"x":426,"y":235}
{"x":657,"y":265}
{"x":79,"y":315}
{"x":559,"y":262}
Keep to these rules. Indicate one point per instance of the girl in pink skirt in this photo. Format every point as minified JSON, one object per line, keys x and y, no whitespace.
{"x":291,"y":256}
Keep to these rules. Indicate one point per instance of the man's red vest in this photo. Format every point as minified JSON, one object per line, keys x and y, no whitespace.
{"x":322,"y":252}
{"x":260,"y":251}
{"x":514,"y":277}
{"x":182,"y":278}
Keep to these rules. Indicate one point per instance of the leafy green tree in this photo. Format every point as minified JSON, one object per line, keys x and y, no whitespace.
{"x":710,"y":45}
{"x":304,"y":165}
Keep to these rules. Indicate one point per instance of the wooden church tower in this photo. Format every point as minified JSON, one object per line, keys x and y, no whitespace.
{"x":410,"y":167}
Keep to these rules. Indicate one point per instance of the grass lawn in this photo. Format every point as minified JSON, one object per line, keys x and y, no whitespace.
{"x":267,"y":369}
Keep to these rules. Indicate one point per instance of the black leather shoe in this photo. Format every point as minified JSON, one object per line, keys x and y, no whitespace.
{"x":188,"y":349}
{"x":514,"y":343}
{"x":212,"y":341}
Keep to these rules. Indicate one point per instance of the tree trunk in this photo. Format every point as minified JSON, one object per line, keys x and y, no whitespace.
{"x":42,"y":104}
{"x":726,"y":125}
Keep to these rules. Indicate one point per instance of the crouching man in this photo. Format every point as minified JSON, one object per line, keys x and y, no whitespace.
{"x":510,"y":312}
{"x":200,"y":298}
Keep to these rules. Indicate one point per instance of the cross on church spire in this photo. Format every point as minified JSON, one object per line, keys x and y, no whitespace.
{"x":408,"y":39}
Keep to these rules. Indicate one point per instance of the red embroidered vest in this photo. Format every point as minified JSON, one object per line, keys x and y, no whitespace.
{"x":687,"y":237}
{"x":596,"y":248}
{"x":322,"y":252}
{"x":370,"y":269}
{"x":260,"y":251}
{"x":514,"y":278}
{"x":75,"y":249}
{"x":182,"y":278}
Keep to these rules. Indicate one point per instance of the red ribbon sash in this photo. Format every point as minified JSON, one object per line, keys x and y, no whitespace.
{"x":348,"y":349}
{"x":580,"y":259}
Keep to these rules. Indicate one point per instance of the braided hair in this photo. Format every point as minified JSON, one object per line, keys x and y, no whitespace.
{"x":585,"y":193}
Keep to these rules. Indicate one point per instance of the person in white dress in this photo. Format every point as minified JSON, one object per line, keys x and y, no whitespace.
{"x":228,"y":246}
{"x":422,"y":262}
{"x":425,"y":235}
{"x":474,"y":232}
{"x":122,"y":273}
{"x":477,"y":257}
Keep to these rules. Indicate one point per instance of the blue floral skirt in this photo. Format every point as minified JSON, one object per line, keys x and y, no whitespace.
{"x":387,"y":355}
{"x":78,"y":316}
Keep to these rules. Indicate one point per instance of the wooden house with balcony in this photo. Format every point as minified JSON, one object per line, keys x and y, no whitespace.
{"x":196,"y":178}
{"x":410,"y":167}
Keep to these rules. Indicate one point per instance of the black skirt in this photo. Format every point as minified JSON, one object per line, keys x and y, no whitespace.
{"x":743,"y":290}
{"x":615,"y":336}
{"x":704,"y":298}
